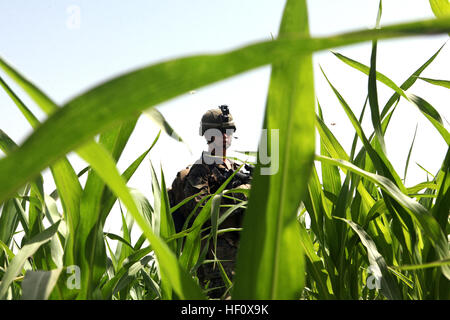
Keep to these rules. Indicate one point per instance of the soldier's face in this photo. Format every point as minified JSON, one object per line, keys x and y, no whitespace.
{"x":222,"y":142}
{"x":220,"y":139}
{"x":227,"y":138}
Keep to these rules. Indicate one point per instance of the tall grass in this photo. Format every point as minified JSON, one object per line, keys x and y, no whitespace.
{"x":370,"y":236}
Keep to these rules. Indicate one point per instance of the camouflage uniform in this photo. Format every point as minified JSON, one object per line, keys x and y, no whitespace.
{"x":205,"y":179}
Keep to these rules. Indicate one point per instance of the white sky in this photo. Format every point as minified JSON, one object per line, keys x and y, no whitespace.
{"x":116,"y":36}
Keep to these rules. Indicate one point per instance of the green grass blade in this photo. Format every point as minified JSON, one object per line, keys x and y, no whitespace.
{"x":331,"y":178}
{"x":248,"y":153}
{"x":389,"y":286}
{"x":9,"y":221}
{"x":151,"y":284}
{"x":11,"y":210}
{"x":428,"y":172}
{"x":420,"y":186}
{"x":432,"y":115}
{"x":108,"y":288}
{"x":409,"y":154}
{"x":34,"y":122}
{"x":215,"y":210}
{"x":7,"y":250}
{"x":408,"y":83}
{"x":442,"y":205}
{"x":433,"y":264}
{"x":337,"y":151}
{"x":36,"y":208}
{"x":442,"y":83}
{"x":127,"y":223}
{"x":427,"y":222}
{"x":89,"y":241}
{"x":24,"y":253}
{"x":163,"y":222}
{"x":175,"y":208}
{"x":166,"y":227}
{"x":441,"y":8}
{"x":124,"y":281}
{"x":380,"y":12}
{"x":159,"y":119}
{"x":146,"y":210}
{"x":41,"y":99}
{"x":52,"y":214}
{"x":7,"y":145}
{"x":109,"y":198}
{"x":115,"y":139}
{"x":89,"y":246}
{"x":38,"y":285}
{"x":22,"y":216}
{"x":355,"y":138}
{"x":113,"y":256}
{"x":102,"y":162}
{"x":332,"y":145}
{"x":315,"y":205}
{"x":379,"y":76}
{"x":399,"y":91}
{"x":379,"y":159}
{"x":69,"y":191}
{"x":271,"y":238}
{"x":385,"y":183}
{"x":169,"y":226}
{"x":113,"y":236}
{"x":315,"y":264}
{"x":372,"y":90}
{"x":225,"y":214}
{"x":67,"y":184}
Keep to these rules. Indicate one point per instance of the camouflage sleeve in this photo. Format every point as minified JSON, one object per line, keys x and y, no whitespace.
{"x":176,"y":195}
{"x":196,"y":182}
{"x":172,"y":201}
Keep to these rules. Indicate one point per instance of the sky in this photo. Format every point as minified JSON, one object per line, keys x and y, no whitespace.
{"x":67,"y":47}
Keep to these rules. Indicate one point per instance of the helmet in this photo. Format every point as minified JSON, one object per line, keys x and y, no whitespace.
{"x":217,"y":118}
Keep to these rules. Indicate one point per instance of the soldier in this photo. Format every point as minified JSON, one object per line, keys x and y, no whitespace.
{"x":204,"y":177}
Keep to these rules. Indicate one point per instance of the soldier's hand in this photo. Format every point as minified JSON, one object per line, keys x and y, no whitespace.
{"x":242,"y":195}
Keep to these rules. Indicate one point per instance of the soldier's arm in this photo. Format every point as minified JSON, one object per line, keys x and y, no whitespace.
{"x":176,"y":195}
{"x":196,"y":183}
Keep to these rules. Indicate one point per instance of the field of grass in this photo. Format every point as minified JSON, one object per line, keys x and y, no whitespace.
{"x":368,"y":236}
